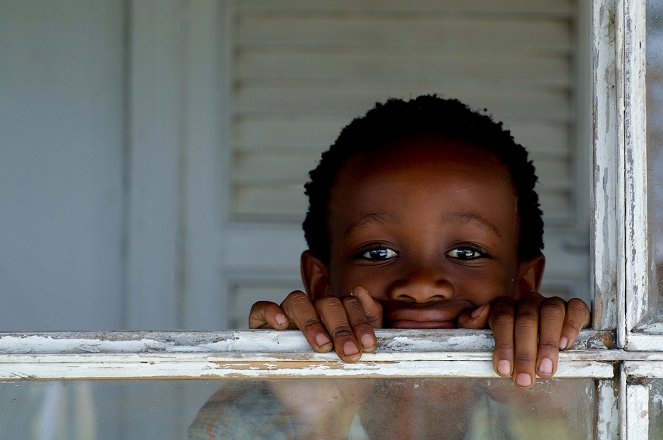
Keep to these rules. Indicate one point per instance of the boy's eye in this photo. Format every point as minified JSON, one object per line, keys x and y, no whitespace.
{"x":378,"y":253}
{"x":465,"y":253}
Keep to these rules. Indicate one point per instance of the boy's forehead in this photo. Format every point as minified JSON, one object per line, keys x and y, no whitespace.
{"x":428,"y":175}
{"x":423,"y":152}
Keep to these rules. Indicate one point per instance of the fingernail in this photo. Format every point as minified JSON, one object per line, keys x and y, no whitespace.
{"x":504,"y":368}
{"x":477,"y":312}
{"x":281,"y":319}
{"x":367,"y":341}
{"x":322,"y":340}
{"x":523,"y":379}
{"x":545,"y":366}
{"x":563,"y":341}
{"x":349,"y":348}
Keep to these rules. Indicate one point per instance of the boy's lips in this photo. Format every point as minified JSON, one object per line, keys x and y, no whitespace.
{"x":441,"y":314}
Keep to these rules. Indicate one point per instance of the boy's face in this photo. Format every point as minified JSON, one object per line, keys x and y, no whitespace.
{"x":429,"y":228}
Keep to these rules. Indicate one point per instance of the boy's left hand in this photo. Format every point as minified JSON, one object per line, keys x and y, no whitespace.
{"x":529,"y":333}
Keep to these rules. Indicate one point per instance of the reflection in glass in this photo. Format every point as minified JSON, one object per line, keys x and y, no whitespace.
{"x":656,"y":408}
{"x":298,"y":408}
{"x":655,"y":140}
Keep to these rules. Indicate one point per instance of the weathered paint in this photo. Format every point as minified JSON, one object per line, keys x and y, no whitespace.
{"x":257,"y":341}
{"x":635,"y":145}
{"x":607,"y":423}
{"x":605,"y":114}
{"x":644,"y":369}
{"x":266,"y":353}
{"x":637,"y":412}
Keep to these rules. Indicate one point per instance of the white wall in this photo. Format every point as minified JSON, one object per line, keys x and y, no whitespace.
{"x":61,"y":164}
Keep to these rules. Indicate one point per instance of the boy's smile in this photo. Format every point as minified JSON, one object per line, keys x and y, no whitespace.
{"x":429,"y":227}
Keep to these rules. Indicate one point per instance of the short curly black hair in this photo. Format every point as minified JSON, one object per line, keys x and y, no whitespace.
{"x":427,"y":115}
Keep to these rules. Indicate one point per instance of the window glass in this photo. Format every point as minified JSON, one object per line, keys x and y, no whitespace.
{"x":656,"y":408}
{"x":364,"y":408}
{"x":655,"y":142}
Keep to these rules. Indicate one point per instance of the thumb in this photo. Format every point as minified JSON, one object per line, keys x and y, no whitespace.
{"x":372,"y":308}
{"x":474,"y":318}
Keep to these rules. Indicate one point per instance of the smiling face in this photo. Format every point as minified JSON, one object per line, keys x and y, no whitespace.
{"x":430,"y":228}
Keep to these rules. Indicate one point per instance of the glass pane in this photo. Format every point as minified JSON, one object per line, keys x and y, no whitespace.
{"x":297,"y":408}
{"x":655,"y":142}
{"x":656,"y":408}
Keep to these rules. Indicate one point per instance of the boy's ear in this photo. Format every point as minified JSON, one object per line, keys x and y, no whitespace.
{"x":529,"y":276}
{"x":315,"y":275}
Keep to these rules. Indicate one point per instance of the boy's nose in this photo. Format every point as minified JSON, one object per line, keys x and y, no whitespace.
{"x":421,"y":287}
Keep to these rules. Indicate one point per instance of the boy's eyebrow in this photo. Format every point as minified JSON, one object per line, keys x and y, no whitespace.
{"x":467,"y":217}
{"x":455,"y":217}
{"x":373,"y":217}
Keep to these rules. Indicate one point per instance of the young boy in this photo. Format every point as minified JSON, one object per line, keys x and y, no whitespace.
{"x":423,"y":214}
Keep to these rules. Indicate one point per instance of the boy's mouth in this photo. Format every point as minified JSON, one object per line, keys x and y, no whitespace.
{"x":437,"y":315}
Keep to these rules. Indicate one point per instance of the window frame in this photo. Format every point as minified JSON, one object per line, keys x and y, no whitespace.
{"x":615,"y":352}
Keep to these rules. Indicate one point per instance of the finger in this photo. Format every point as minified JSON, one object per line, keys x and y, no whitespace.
{"x":474,"y":318}
{"x":577,"y":317}
{"x":551,"y":320}
{"x":266,"y":314}
{"x":501,"y":321}
{"x":526,"y":329}
{"x":334,"y":318}
{"x":299,"y":308}
{"x":358,"y":321}
{"x":372,"y":308}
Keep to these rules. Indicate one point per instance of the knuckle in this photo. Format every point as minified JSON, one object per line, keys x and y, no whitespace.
{"x":342,"y":332}
{"x":350,"y":300}
{"x":526,"y":319}
{"x":548,"y":345}
{"x":371,"y":316}
{"x":523,"y":358}
{"x":578,"y":306}
{"x":295,"y":295}
{"x":502,"y":352}
{"x":573,"y":325}
{"x":503,"y":318}
{"x":327,"y":301}
{"x":553,"y":309}
{"x":310,"y":323}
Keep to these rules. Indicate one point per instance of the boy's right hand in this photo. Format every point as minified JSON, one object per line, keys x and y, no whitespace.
{"x":345,"y":323}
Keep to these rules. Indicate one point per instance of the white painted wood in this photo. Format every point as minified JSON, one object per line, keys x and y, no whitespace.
{"x":201,"y":304}
{"x":293,"y":30}
{"x":606,"y":222}
{"x":61,"y":164}
{"x":622,"y":221}
{"x":529,"y":7}
{"x":176,"y":144}
{"x":289,"y":62}
{"x":462,"y":341}
{"x":644,"y":342}
{"x":644,"y":369}
{"x":637,"y":251}
{"x":637,"y":412}
{"x":290,"y":58}
{"x":56,"y":368}
{"x":155,"y":199}
{"x":607,"y":423}
{"x":257,"y":354}
{"x":622,"y":410}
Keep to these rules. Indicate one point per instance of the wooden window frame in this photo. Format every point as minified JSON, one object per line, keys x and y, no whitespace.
{"x":615,"y":353}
